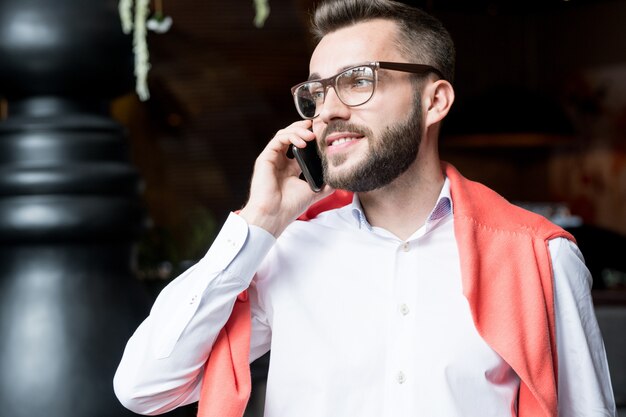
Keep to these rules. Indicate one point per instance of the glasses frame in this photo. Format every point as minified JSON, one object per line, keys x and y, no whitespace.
{"x":421,"y":69}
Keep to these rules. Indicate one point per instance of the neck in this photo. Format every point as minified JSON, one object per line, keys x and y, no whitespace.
{"x":403,"y":206}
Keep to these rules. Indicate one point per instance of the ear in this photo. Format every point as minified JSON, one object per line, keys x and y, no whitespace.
{"x":437,"y":100}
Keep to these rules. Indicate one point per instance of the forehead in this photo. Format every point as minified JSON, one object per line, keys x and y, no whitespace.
{"x":373,"y":40}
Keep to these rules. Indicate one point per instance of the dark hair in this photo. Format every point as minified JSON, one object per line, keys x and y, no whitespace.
{"x":421,"y":36}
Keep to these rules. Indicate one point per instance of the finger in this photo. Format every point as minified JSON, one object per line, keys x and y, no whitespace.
{"x":277,"y":148}
{"x":283,"y":139}
{"x":297,"y":133}
{"x":304,"y":134}
{"x":302,"y":125}
{"x":307,"y":124}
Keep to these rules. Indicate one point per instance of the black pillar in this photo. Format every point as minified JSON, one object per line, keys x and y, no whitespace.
{"x":69,"y":209}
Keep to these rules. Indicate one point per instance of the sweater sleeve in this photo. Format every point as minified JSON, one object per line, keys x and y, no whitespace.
{"x":584,"y":388}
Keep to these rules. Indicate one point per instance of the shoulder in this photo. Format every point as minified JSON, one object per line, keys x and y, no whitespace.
{"x":486,"y":209}
{"x":569,"y":267}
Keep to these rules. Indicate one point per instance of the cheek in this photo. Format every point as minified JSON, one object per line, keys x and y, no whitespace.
{"x":382,"y":112}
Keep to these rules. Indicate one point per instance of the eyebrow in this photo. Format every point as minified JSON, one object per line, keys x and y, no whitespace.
{"x":316,"y":76}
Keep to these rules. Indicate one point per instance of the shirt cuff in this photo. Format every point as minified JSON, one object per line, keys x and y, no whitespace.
{"x":246,"y":245}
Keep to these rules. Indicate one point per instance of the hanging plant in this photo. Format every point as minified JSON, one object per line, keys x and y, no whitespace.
{"x":159,"y":23}
{"x":262,"y":9}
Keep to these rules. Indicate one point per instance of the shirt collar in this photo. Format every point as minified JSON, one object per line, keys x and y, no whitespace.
{"x":442,"y":209}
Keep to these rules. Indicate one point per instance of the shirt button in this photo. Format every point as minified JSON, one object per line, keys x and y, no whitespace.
{"x":193,"y":300}
{"x":401,"y":378}
{"x":404,"y":309}
{"x":405,"y":247}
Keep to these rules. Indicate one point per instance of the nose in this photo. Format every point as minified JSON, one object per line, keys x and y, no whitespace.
{"x":333,"y":108}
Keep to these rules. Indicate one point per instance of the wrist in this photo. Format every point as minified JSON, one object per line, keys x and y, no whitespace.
{"x":272,"y":223}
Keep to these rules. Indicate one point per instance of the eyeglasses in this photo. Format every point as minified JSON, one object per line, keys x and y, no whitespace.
{"x":354,"y":86}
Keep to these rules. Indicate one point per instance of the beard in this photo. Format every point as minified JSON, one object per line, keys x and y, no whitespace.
{"x":388,"y":156}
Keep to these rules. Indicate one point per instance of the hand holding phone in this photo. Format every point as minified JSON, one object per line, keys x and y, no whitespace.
{"x":275,"y":199}
{"x":311,"y":164}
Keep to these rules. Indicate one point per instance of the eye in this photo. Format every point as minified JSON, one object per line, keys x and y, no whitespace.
{"x":362,"y":82}
{"x":317,"y":94}
{"x":360,"y":78}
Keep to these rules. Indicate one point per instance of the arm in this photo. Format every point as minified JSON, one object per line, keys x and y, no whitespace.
{"x":162,"y":365}
{"x":584,"y":383}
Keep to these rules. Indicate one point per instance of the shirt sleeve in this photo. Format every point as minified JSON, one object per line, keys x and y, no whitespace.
{"x":584,"y":383}
{"x":161,"y":367}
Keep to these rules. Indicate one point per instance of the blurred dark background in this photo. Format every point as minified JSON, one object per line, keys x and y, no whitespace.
{"x":540,"y":116}
{"x":540,"y":113}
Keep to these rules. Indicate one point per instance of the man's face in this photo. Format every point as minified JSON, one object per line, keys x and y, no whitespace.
{"x":366,"y":147}
{"x":389,"y":154}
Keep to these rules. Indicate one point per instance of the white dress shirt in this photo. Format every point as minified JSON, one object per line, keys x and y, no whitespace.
{"x":359,"y":322}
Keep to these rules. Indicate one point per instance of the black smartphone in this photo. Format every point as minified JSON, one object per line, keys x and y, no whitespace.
{"x":311,"y":164}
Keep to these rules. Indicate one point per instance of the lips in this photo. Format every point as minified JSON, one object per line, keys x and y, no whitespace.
{"x":341,"y":138}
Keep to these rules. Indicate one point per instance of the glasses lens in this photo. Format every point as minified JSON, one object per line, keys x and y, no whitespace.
{"x":356,"y":85}
{"x":309,"y":97}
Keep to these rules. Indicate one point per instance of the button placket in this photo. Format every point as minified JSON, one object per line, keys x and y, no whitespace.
{"x":404,"y":280}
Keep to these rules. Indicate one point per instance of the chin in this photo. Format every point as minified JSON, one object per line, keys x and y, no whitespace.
{"x":342,"y":171}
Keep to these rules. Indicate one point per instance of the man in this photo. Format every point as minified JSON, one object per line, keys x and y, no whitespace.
{"x":426,"y":295}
